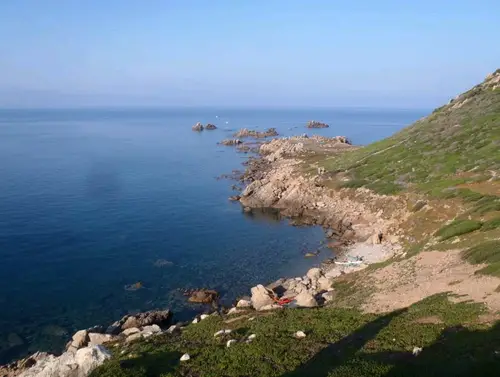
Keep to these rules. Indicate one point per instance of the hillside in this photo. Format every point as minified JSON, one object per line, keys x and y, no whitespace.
{"x":447,"y":166}
{"x":457,"y":144}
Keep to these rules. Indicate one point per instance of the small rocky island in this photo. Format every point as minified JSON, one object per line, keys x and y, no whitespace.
{"x":245,"y":132}
{"x":316,"y":124}
{"x":198,"y":127}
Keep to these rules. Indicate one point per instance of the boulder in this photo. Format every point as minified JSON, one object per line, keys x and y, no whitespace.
{"x":300,"y":334}
{"x":130,"y":331}
{"x":306,"y":300}
{"x":197,"y":127}
{"x":152,"y":328}
{"x":17,"y":367}
{"x":210,"y":126}
{"x":233,"y":311}
{"x":97,"y":339}
{"x":243,"y":304}
{"x":234,"y":198}
{"x":324,"y":283}
{"x":174,"y":329}
{"x":314,"y":274}
{"x":261,"y":297}
{"x":155,"y":317}
{"x":79,"y":340}
{"x":79,"y":364}
{"x":90,"y":358}
{"x":133,"y":337}
{"x":203,"y":296}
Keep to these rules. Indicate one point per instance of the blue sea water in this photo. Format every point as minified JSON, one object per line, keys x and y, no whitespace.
{"x":91,"y":199}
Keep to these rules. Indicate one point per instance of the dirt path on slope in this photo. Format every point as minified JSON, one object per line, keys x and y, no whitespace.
{"x":404,"y":283}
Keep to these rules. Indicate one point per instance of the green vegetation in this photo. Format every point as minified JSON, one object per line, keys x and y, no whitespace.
{"x":458,"y":143}
{"x":457,"y":228}
{"x":486,"y":252}
{"x":491,"y":224}
{"x":339,"y":342}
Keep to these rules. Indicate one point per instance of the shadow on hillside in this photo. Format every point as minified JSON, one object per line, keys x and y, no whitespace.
{"x":150,"y":364}
{"x":457,"y":352}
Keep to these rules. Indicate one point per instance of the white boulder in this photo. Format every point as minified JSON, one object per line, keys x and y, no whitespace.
{"x":306,"y":300}
{"x":69,"y":364}
{"x":260,"y":297}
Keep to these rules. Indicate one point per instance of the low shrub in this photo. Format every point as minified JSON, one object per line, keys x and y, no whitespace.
{"x":457,"y":228}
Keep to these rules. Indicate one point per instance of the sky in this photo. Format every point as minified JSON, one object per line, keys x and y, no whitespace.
{"x":281,"y":53}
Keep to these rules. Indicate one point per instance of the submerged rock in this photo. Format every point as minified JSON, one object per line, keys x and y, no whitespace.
{"x":230,"y":142}
{"x":210,"y":126}
{"x":203,"y":296}
{"x":133,"y":287}
{"x":162,"y":263}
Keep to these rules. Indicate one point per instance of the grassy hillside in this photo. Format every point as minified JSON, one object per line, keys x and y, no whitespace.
{"x":457,"y":144}
{"x":339,"y":342}
{"x":450,"y":158}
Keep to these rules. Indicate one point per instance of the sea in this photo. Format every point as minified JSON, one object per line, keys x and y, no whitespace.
{"x":105,"y":212}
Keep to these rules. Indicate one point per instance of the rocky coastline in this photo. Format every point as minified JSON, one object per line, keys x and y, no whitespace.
{"x":274,"y":179}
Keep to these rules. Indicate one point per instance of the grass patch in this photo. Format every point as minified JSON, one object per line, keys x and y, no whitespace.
{"x":339,"y":342}
{"x":455,"y":145}
{"x":385,"y":188}
{"x":491,"y":224}
{"x":457,"y":228}
{"x":487,"y":252}
{"x":487,"y":204}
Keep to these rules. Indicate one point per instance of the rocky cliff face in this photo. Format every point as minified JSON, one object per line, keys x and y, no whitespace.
{"x":284,"y":186}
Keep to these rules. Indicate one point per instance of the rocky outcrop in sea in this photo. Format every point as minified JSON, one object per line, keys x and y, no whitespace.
{"x":316,"y":124}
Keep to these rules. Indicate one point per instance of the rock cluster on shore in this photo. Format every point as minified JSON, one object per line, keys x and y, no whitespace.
{"x":86,"y":351}
{"x":275,"y":182}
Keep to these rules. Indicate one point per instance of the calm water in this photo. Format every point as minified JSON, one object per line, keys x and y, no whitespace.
{"x":90,"y":199}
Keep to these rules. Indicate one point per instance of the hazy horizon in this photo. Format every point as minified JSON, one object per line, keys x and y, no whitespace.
{"x":191,"y":53}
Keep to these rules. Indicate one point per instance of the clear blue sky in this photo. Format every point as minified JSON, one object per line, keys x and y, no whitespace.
{"x":389,"y":53}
